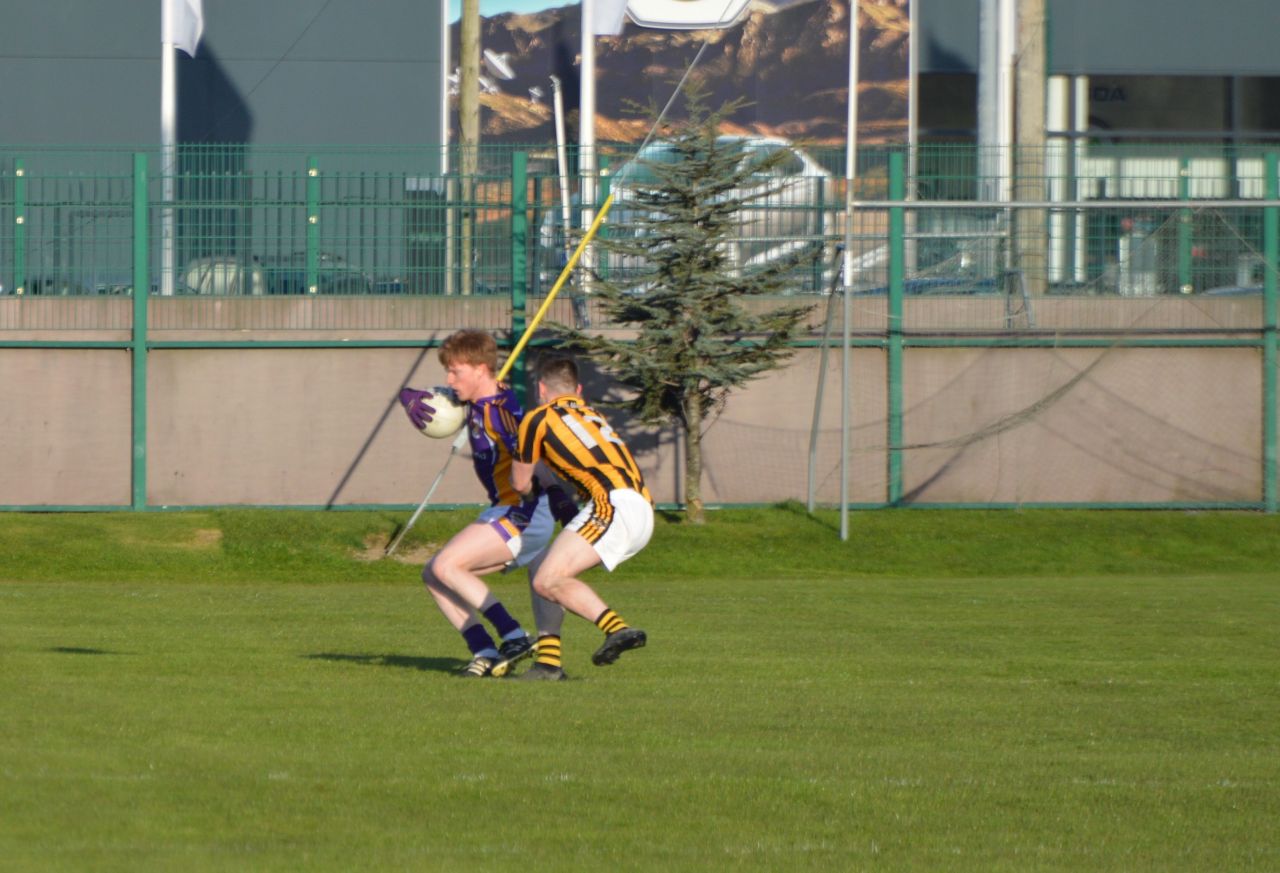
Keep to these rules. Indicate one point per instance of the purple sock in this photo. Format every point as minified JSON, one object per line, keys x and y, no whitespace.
{"x":502,"y":621}
{"x":478,"y":639}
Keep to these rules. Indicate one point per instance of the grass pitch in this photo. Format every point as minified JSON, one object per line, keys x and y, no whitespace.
{"x":947,"y":691}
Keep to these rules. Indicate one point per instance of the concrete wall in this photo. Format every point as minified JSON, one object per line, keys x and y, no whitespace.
{"x":65,"y":427}
{"x":317,"y":427}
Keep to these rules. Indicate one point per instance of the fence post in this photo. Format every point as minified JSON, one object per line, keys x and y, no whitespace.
{"x":820,"y":224}
{"x":604,"y":187}
{"x":141,"y":297}
{"x":1185,"y":283}
{"x":313,"y":226}
{"x":897,"y":288}
{"x":1271,"y":253}
{"x":19,"y":228}
{"x":519,"y":265}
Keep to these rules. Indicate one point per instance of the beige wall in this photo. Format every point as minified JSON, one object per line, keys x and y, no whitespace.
{"x":313,"y":427}
{"x":65,"y":426}
{"x":1083,"y":425}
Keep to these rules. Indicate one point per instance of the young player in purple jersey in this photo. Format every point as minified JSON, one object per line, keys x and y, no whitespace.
{"x":511,"y":531}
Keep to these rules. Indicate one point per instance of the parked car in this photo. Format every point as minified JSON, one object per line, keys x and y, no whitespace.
{"x":55,"y":286}
{"x":941,"y":286}
{"x":791,"y":219}
{"x":224,"y":276}
{"x":1235,"y":291}
{"x":334,"y":275}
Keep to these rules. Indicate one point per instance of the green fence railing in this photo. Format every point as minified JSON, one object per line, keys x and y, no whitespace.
{"x":280,"y":222}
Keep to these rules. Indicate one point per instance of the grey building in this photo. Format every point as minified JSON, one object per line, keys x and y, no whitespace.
{"x":344,"y":72}
{"x":1120,"y":70}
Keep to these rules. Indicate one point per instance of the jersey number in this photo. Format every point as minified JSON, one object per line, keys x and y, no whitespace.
{"x":585,"y":435}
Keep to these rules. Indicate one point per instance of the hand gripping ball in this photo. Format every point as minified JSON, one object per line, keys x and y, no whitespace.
{"x":449,"y":415}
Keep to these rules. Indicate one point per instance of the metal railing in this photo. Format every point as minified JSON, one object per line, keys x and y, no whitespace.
{"x":291,"y":223}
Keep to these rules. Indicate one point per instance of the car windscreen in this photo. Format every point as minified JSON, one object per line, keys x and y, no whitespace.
{"x":639,"y":170}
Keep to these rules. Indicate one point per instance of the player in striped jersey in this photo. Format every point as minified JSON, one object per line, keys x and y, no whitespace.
{"x":578,"y":445}
{"x":512,"y":530}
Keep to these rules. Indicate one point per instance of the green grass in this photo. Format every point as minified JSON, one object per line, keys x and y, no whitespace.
{"x":946,"y":691}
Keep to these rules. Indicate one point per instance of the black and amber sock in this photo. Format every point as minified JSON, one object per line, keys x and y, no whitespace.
{"x":547,"y":651}
{"x":610,"y":622}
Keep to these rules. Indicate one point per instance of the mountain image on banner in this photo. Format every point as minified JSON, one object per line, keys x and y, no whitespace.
{"x":789,"y":59}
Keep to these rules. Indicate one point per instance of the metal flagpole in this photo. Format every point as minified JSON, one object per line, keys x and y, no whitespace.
{"x":168,"y":160}
{"x":587,"y":129}
{"x":562,"y":165}
{"x":850,"y":174}
{"x":181,"y":27}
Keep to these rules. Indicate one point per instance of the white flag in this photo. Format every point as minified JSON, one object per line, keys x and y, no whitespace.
{"x":609,"y":16}
{"x":182,"y":23}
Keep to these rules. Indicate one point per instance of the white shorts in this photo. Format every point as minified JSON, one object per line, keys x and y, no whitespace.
{"x":525,"y":540}
{"x":618,"y":538}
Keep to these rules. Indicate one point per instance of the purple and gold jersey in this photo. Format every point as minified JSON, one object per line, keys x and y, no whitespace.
{"x":493,"y":423}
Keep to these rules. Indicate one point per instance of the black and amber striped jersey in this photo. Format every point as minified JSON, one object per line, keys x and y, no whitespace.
{"x":578,"y":445}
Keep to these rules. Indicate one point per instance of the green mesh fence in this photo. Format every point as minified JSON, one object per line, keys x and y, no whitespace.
{"x":1031,"y":238}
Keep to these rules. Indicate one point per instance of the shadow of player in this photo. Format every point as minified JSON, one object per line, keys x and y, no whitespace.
{"x":407,"y":662}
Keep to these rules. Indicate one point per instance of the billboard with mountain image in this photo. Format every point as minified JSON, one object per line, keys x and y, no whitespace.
{"x":788,"y":58}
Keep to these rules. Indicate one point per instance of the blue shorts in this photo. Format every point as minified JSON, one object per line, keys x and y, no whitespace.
{"x":527,"y":536}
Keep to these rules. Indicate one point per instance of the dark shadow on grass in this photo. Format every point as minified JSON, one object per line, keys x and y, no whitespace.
{"x":795,"y":507}
{"x":408,"y":662}
{"x":80,"y":650}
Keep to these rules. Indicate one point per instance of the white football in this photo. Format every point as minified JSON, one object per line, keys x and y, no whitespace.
{"x":450,"y":414}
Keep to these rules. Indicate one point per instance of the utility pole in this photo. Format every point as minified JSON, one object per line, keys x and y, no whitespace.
{"x":1030,"y":237}
{"x":469,"y":135}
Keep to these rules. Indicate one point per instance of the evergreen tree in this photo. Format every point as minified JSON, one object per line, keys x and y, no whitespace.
{"x":697,"y":335}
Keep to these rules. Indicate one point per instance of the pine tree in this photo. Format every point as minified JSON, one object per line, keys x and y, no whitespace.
{"x":694,"y":339}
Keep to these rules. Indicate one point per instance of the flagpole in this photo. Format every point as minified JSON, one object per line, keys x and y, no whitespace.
{"x":168,"y":157}
{"x":850,"y":177}
{"x":444,"y":90}
{"x":181,"y":26}
{"x":587,"y":132}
